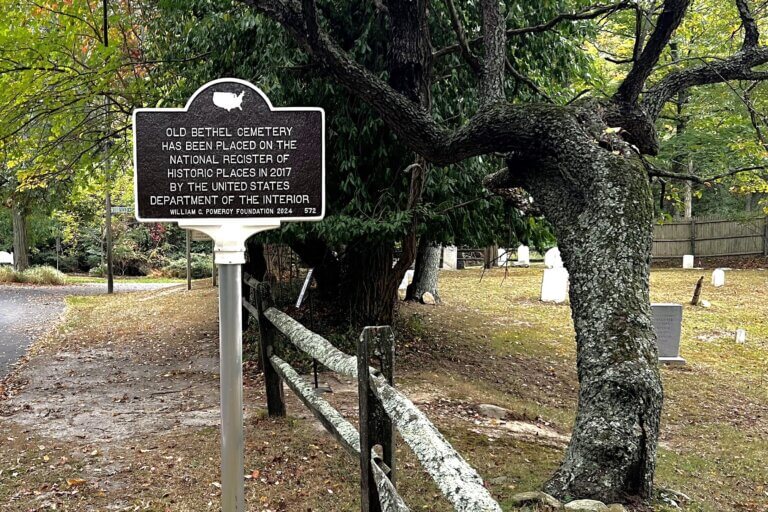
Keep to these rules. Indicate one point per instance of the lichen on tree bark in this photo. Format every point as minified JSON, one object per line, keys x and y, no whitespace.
{"x":600,"y":205}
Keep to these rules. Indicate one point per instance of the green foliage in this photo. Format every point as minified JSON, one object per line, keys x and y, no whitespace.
{"x":713,"y":133}
{"x":367,"y":188}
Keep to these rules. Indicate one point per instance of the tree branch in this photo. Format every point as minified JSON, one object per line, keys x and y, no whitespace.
{"x":494,"y":41}
{"x":656,"y":172}
{"x":751,"y":34}
{"x":527,"y":81}
{"x":736,"y":67}
{"x":666,"y":23}
{"x":464,"y":49}
{"x":500,"y":127}
{"x":588,"y":13}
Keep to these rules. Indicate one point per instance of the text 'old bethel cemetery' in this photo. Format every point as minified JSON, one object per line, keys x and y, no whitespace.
{"x":229,"y":154}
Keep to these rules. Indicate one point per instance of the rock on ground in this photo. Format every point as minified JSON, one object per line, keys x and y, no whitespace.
{"x":539,"y":499}
{"x":492,"y":411}
{"x":428,"y":298}
{"x":587,"y":506}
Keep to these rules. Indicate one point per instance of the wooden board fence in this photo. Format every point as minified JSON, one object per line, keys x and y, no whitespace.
{"x":710,"y":236}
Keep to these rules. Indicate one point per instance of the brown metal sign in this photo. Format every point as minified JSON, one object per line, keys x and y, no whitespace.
{"x":229,"y":155}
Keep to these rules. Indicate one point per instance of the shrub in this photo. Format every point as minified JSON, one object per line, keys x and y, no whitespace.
{"x":8,"y":275}
{"x":43,"y":275}
{"x":34,"y":275}
{"x":201,"y":267}
{"x":98,"y":271}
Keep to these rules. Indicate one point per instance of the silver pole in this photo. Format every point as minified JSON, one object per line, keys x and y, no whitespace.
{"x":231,"y":382}
{"x":189,"y":263}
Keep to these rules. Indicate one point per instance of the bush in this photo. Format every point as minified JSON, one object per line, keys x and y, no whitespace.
{"x":201,"y":267}
{"x":8,"y":275}
{"x":34,"y":275}
{"x":43,"y":275}
{"x":98,"y":271}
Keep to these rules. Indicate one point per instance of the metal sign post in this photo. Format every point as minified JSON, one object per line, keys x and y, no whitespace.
{"x":230,"y":165}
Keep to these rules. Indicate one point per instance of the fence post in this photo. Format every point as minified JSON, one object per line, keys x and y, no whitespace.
{"x":268,"y":335}
{"x":693,"y":236}
{"x":765,"y":238}
{"x":375,"y":424}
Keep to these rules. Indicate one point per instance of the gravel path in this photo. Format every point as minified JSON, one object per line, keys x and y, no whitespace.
{"x":26,"y":312}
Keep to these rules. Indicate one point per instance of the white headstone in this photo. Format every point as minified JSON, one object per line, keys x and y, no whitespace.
{"x":718,"y":278}
{"x":688,"y":261}
{"x":552,"y":258}
{"x":502,"y":257}
{"x":407,"y":278}
{"x":741,"y":336}
{"x":450,"y":257}
{"x":6,"y":258}
{"x":523,"y":255}
{"x":554,"y":285}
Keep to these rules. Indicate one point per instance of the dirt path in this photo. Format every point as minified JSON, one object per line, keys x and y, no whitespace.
{"x":26,"y":312}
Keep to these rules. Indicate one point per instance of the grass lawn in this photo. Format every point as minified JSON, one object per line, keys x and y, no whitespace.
{"x":150,"y":357}
{"x":82,"y":279}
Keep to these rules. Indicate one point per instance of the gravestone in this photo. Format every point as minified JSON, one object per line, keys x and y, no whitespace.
{"x":502,"y":257}
{"x":552,"y":258}
{"x":554,"y":285}
{"x":6,"y":258}
{"x":718,"y":278}
{"x":450,"y":257}
{"x":741,"y":336}
{"x":523,"y":256}
{"x":667,"y":322}
{"x":407,"y":278}
{"x":688,"y":261}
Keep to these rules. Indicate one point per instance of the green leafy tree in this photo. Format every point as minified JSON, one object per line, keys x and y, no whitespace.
{"x":585,"y":162}
{"x":378,"y":201}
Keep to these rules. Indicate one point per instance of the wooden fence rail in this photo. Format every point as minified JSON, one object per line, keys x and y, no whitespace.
{"x":382,"y":408}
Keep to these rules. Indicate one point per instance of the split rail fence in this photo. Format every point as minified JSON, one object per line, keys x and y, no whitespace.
{"x":382,"y":408}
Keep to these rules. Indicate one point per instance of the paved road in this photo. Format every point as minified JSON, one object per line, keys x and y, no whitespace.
{"x":29,"y":311}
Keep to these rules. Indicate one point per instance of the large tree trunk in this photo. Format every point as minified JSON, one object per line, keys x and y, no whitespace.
{"x":255,"y":263}
{"x":601,"y":207}
{"x":327,"y":269}
{"x":426,"y":271}
{"x":370,"y":283}
{"x":20,"y":243}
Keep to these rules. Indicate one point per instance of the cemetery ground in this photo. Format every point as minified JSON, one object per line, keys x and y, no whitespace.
{"x":117,"y":408}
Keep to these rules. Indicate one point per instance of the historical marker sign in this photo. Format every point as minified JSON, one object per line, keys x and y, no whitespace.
{"x":229,"y":165}
{"x":229,"y":155}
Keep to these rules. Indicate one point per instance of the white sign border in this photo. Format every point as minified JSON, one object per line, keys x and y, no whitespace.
{"x":225,"y":220}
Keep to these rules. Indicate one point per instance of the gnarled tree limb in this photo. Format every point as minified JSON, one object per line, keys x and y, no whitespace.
{"x":736,"y":67}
